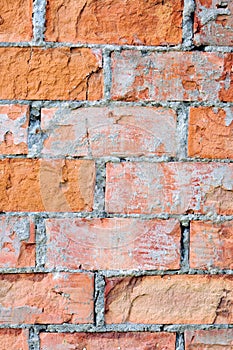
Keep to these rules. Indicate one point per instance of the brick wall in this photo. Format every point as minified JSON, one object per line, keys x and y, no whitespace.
{"x":116,"y":174}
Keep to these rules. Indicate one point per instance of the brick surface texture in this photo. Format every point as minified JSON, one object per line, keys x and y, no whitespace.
{"x":116,"y":174}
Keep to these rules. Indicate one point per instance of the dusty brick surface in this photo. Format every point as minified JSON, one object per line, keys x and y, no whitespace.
{"x":50,"y":74}
{"x":175,"y":76}
{"x":46,"y":185}
{"x":17,"y":242}
{"x":46,"y":298}
{"x":211,"y":339}
{"x":105,"y":131}
{"x":14,"y":121}
{"x":115,"y":22}
{"x":151,"y":299}
{"x":14,"y":339}
{"x":213,"y":22}
{"x":114,"y":341}
{"x":175,"y":188}
{"x":16,"y":20}
{"x":211,"y":245}
{"x":210,"y":132}
{"x":113,"y":244}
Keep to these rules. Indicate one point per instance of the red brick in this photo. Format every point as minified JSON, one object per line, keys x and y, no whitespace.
{"x":46,"y":185}
{"x":170,"y":299}
{"x":16,"y":339}
{"x":14,"y":121}
{"x":113,"y":341}
{"x":121,"y":131}
{"x":17,"y":245}
{"x":174,"y":188}
{"x":50,"y":74}
{"x":116,"y":243}
{"x":16,"y":20}
{"x":46,"y":298}
{"x":213,"y":23}
{"x":211,"y":339}
{"x":115,"y":22}
{"x":211,"y":245}
{"x":211,"y":132}
{"x":174,"y":76}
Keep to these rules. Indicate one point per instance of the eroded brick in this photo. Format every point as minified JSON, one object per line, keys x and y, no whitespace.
{"x":174,"y":188}
{"x":46,"y":298}
{"x":121,"y":131}
{"x":170,"y":300}
{"x":115,"y":22}
{"x":113,"y":244}
{"x":14,"y":339}
{"x":211,"y":339}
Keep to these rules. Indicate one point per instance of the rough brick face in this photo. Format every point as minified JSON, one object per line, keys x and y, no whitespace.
{"x":211,"y":245}
{"x":46,"y":298}
{"x":16,"y":339}
{"x":211,"y":132}
{"x":174,"y":76}
{"x":56,"y":74}
{"x":14,"y":121}
{"x":46,"y":185}
{"x":115,"y":22}
{"x":17,"y":243}
{"x":175,"y":188}
{"x":113,"y":244}
{"x":211,"y":339}
{"x":213,"y":22}
{"x":113,"y":341}
{"x":121,"y":131}
{"x":170,"y":300}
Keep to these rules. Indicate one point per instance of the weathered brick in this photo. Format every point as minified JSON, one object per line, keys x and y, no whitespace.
{"x":17,"y":242}
{"x":115,"y":243}
{"x":175,"y":76}
{"x":14,"y":121}
{"x":121,"y":131}
{"x":46,"y":185}
{"x":174,"y":188}
{"x":50,"y":74}
{"x":46,"y":298}
{"x":170,"y":299}
{"x":213,"y":22}
{"x":113,"y":341}
{"x":16,"y":339}
{"x":115,"y":22}
{"x":211,"y":132}
{"x":211,"y":245}
{"x":16,"y":20}
{"x":211,"y":339}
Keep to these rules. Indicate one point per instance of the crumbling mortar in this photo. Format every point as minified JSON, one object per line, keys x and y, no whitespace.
{"x":99,"y":304}
{"x":41,"y":240}
{"x":38,"y":19}
{"x":180,"y":341}
{"x":184,"y":246}
{"x":34,"y":341}
{"x":107,"y":74}
{"x":188,"y":15}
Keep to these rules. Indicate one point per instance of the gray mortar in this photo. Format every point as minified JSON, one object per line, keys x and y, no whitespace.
{"x":185,"y":240}
{"x":99,"y":200}
{"x":38,"y":20}
{"x":41,"y":241}
{"x":189,"y":7}
{"x":99,"y":299}
{"x":35,"y":134}
{"x":107,"y":74}
{"x":180,"y":342}
{"x":182,"y":130}
{"x":34,"y":340}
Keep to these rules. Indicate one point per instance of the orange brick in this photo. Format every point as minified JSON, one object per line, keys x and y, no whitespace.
{"x":170,"y":300}
{"x":46,"y":298}
{"x":108,"y":22}
{"x":14,"y":121}
{"x":213,"y":23}
{"x":102,"y":131}
{"x":46,"y":185}
{"x":115,"y":243}
{"x":174,"y":76}
{"x":16,"y":20}
{"x":17,"y":246}
{"x":211,"y":245}
{"x":14,"y":339}
{"x":211,"y":339}
{"x":113,"y":341}
{"x":50,"y":74}
{"x":174,"y":188}
{"x":211,"y":132}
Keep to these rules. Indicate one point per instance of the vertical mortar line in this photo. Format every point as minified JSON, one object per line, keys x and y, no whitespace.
{"x":99,"y":304}
{"x":41,"y":241}
{"x":180,"y":341}
{"x":184,"y":247}
{"x":38,"y":21}
{"x":99,"y":198}
{"x":35,"y":136}
{"x":182,"y":130}
{"x":34,"y":339}
{"x":187,"y":24}
{"x":107,"y":74}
